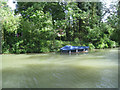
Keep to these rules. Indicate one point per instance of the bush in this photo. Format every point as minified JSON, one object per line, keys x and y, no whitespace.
{"x":65,"y":43}
{"x":112,"y":44}
{"x":106,"y":45}
{"x":117,"y":44}
{"x":58,"y":44}
{"x":45,"y":49}
{"x":91,"y":46}
{"x":101,"y":45}
{"x":75,"y":44}
{"x":76,"y":40}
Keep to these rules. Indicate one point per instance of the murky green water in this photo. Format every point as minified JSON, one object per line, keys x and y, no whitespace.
{"x":93,"y":70}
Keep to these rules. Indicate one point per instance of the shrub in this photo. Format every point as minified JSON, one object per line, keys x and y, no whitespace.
{"x":76,"y":40}
{"x":58,"y":44}
{"x":45,"y":49}
{"x":101,"y":45}
{"x":112,"y":44}
{"x":106,"y":45}
{"x":91,"y":46}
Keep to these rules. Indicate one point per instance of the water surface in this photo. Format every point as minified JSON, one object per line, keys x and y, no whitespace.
{"x":97,"y":69}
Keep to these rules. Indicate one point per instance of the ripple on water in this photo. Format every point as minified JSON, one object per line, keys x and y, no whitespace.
{"x":93,"y":70}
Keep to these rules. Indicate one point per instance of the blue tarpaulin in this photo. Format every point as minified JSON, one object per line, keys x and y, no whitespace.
{"x":68,"y":48}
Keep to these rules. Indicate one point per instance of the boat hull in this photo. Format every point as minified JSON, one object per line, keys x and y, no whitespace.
{"x":74,"y":49}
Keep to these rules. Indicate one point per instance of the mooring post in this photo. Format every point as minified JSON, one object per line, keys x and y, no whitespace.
{"x":76,"y":50}
{"x":69,"y":52}
{"x":83,"y":49}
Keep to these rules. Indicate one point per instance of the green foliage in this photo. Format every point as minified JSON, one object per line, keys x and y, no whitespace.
{"x":45,"y":49}
{"x":76,"y":40}
{"x":46,"y":27}
{"x":91,"y":46}
{"x":112,"y":44}
{"x":58,"y":44}
{"x":101,"y":45}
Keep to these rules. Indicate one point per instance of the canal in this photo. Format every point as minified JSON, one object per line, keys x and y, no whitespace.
{"x":97,"y":69}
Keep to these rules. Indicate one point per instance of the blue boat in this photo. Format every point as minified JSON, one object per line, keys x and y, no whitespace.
{"x":74,"y":49}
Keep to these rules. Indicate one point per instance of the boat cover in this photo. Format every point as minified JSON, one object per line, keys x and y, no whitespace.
{"x":67,"y":47}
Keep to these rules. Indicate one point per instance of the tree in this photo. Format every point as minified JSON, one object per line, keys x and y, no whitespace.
{"x":114,"y":22}
{"x":45,"y":26}
{"x":9,"y":26}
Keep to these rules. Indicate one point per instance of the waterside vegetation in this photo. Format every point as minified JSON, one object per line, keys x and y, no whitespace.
{"x":37,"y":27}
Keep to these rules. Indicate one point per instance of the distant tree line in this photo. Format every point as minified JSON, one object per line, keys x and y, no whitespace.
{"x":36,"y":27}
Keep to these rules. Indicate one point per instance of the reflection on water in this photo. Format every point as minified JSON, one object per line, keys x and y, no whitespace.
{"x":97,"y":69}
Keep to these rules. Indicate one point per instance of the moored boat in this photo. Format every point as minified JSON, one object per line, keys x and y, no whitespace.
{"x":74,"y":49}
